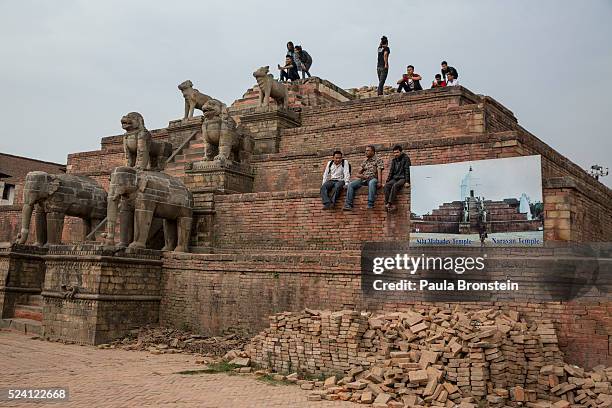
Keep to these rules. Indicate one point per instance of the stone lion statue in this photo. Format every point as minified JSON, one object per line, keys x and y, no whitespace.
{"x":194,"y":99}
{"x":141,"y":151}
{"x":270,"y":87}
{"x":222,"y":136}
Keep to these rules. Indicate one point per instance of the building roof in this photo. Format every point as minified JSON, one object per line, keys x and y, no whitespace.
{"x":16,"y":167}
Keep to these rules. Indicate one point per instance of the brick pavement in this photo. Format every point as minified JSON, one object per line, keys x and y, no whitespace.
{"x":120,"y":378}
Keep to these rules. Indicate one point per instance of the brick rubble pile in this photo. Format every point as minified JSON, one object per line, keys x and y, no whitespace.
{"x":370,"y":91}
{"x":160,"y":340}
{"x":428,"y":357}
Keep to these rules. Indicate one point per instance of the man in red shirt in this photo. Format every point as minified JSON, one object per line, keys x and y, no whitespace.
{"x":410,"y":81}
{"x":438,"y":82}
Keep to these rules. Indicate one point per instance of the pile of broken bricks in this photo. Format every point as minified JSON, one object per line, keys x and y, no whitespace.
{"x":428,"y":357}
{"x":163,"y":340}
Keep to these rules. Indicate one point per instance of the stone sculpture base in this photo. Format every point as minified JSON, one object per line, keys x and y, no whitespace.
{"x":93,"y":297}
{"x":205,"y":179}
{"x":22,"y":273}
{"x":464,"y":228}
{"x":216,"y":176}
{"x":264,"y":124}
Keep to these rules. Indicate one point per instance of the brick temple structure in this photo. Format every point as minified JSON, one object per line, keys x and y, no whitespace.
{"x":503,"y":216}
{"x":261,"y":243}
{"x":13,"y":170}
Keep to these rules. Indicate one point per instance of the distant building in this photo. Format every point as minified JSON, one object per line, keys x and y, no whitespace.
{"x":13,"y":170}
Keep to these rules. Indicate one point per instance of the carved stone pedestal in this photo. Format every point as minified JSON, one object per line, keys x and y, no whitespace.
{"x":264,"y":124}
{"x":22,"y":272}
{"x":216,"y":176}
{"x":464,"y":228}
{"x":205,"y":179}
{"x":92,"y":295}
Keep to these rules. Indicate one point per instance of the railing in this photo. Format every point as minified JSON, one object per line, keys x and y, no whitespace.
{"x":181,"y":146}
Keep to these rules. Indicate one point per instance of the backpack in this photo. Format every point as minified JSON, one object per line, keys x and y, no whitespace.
{"x":342,"y":165}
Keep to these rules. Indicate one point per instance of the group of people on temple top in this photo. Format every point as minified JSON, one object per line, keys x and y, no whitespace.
{"x":297,"y":60}
{"x":411,"y":81}
{"x":337,"y":176}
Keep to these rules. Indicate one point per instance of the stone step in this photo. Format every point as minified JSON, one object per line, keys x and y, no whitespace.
{"x":35,"y":300}
{"x":26,"y":326}
{"x":191,"y":155}
{"x":32,"y":312}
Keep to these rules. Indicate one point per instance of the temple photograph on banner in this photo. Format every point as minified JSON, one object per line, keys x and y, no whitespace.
{"x":495,"y":202}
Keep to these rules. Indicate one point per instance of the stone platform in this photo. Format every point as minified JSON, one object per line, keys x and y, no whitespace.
{"x":86,"y":294}
{"x":266,"y":246}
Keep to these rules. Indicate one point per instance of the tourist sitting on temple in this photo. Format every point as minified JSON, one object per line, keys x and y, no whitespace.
{"x":369,"y":175}
{"x":399,"y":174}
{"x":446,"y":69}
{"x":410,"y":81}
{"x":289,"y":71}
{"x":303,"y":61}
{"x":336,"y":176}
{"x":451,"y":80}
{"x":438,"y":82}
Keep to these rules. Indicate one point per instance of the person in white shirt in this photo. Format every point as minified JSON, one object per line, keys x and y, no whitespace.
{"x":451,"y":80}
{"x":337,"y":174}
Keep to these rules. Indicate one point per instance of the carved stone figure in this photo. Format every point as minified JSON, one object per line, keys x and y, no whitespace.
{"x":141,"y":151}
{"x":270,"y":87}
{"x":69,"y":291}
{"x":220,"y":133}
{"x":55,"y":196}
{"x":466,"y":211}
{"x":144,"y":195}
{"x":194,"y":99}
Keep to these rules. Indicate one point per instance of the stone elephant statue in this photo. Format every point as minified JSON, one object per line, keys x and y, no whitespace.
{"x":221,"y":134}
{"x":55,"y":196}
{"x":142,"y":195}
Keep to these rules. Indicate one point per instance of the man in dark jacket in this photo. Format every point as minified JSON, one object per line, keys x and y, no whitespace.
{"x":399,"y":174}
{"x":304,"y":61}
{"x":446,"y":69}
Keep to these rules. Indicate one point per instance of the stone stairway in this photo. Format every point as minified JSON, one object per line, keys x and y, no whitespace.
{"x":27,"y":317}
{"x":192,"y":151}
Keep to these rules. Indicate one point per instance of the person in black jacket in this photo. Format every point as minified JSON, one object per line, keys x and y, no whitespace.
{"x":399,"y":174}
{"x":445,"y":69}
{"x":304,"y":61}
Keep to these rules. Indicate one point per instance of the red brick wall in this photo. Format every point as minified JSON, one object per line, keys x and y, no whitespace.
{"x":388,"y":106}
{"x":10,"y":222}
{"x":296,"y":220}
{"x":279,"y":172}
{"x":97,"y":162}
{"x":408,"y":127}
{"x":214,"y":292}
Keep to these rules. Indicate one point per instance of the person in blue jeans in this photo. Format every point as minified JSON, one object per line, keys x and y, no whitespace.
{"x":369,"y":175}
{"x":336,"y":176}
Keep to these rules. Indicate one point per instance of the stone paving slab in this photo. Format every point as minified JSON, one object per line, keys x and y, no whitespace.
{"x":120,"y":378}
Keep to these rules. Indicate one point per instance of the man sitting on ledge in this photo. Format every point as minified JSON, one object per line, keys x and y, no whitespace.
{"x":336,"y":175}
{"x":399,"y":174}
{"x":410,"y":81}
{"x":451,"y":80}
{"x":369,"y":174}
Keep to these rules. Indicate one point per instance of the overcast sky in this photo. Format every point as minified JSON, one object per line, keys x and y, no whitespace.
{"x":70,"y":69}
{"x":496,"y":179}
